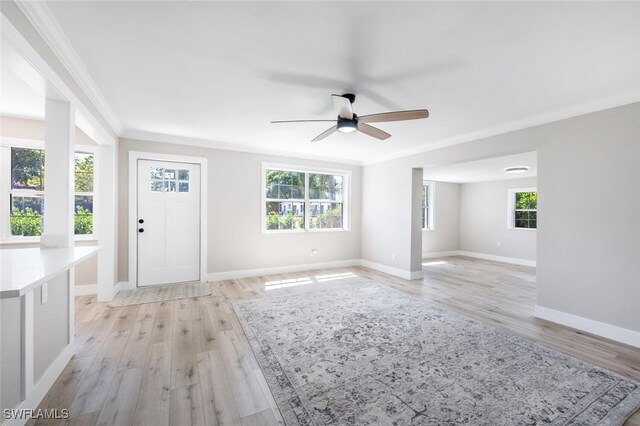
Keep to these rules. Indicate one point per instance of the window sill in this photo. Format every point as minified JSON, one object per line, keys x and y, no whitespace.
{"x":428,"y":229}
{"x":522,"y":229}
{"x":28,"y":240}
{"x":302,"y":231}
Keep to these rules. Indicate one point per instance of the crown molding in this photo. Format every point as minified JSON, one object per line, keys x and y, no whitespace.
{"x":533,"y":121}
{"x":45,"y":23}
{"x":226,"y":146}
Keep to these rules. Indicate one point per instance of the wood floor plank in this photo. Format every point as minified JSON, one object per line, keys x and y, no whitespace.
{"x":119,"y":407}
{"x":153,"y":399}
{"x":162,"y":326}
{"x":186,"y":406}
{"x":219,"y":404}
{"x":184,"y":371}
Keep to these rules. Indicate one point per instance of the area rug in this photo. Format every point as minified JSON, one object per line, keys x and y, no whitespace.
{"x":370,"y":355}
{"x":160,"y":294}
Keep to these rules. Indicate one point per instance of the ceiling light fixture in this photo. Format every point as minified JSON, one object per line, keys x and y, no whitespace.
{"x":520,"y":169}
{"x":347,"y":126}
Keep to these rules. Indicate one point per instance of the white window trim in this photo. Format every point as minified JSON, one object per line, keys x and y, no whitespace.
{"x":431,"y":222}
{"x":6,"y":143}
{"x":346,"y":197}
{"x":511,"y":208}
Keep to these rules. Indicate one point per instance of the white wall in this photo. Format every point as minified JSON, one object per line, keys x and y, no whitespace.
{"x":483,"y":220}
{"x":446,"y":205}
{"x":235,"y":240}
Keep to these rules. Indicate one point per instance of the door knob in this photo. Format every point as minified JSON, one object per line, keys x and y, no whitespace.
{"x":141,"y":230}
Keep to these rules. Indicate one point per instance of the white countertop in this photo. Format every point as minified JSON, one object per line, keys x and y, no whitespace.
{"x":22,"y":270}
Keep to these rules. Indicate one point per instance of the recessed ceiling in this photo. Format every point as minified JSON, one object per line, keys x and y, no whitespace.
{"x":487,"y":170}
{"x":22,"y":88}
{"x":220,"y":71}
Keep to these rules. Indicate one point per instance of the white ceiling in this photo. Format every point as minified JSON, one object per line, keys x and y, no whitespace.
{"x":487,"y":170}
{"x":22,"y":88}
{"x":220,"y":71}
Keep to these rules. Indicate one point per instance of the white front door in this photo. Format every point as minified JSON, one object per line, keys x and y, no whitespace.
{"x":168,"y":224}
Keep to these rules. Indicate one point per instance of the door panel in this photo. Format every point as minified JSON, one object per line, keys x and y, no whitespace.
{"x":169,"y":237}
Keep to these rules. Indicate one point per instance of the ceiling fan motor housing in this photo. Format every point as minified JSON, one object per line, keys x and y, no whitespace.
{"x":350,"y":96}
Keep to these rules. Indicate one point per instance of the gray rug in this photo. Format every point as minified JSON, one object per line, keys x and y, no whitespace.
{"x":160,"y":294}
{"x":369,"y":355}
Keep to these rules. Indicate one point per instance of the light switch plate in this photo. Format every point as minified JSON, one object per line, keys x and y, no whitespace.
{"x":44,"y":293}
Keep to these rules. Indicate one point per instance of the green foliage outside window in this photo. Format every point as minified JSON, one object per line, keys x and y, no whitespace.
{"x":288,"y":221}
{"x":27,"y":169}
{"x":28,"y":222}
{"x":526,"y":214}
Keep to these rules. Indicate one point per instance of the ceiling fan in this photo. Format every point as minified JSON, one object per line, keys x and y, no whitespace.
{"x":348,"y":122}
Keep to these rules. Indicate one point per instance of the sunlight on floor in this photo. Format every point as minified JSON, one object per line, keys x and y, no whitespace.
{"x":333,"y":277}
{"x":435,"y":263}
{"x":272,"y":285}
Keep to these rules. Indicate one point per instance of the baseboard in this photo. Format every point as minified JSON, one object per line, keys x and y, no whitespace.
{"x":83,"y":290}
{"x":396,"y":272}
{"x":612,"y":332}
{"x":435,"y":254}
{"x":245,"y":273}
{"x":45,"y":383}
{"x":512,"y":260}
{"x":122,"y":285}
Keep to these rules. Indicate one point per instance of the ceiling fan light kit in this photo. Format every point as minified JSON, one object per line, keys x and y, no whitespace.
{"x":347,"y":126}
{"x":519,"y":169}
{"x":348,"y":122}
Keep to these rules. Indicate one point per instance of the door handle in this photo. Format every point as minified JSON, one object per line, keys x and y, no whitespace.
{"x":141,"y":230}
{"x":140,"y":220}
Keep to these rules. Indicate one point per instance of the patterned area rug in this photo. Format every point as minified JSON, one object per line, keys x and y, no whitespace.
{"x":160,"y":293}
{"x":369,"y":355}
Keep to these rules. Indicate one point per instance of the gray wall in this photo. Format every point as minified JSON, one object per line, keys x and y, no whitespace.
{"x":483,"y":220}
{"x":446,"y":204}
{"x":235,"y":240}
{"x":589,"y":232}
{"x":587,"y":263}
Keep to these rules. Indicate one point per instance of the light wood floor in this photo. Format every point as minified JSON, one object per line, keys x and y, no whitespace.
{"x":187,"y":362}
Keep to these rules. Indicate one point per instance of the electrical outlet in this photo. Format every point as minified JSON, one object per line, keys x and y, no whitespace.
{"x":44,"y":293}
{"x":314,"y":252}
{"x":498,"y":243}
{"x":393,"y":257}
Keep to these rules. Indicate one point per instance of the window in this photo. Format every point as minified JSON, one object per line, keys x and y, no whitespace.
{"x":298,"y":200}
{"x":523,"y":212}
{"x":83,"y":219}
{"x":24,"y":192}
{"x":167,"y":180}
{"x":428,"y":190}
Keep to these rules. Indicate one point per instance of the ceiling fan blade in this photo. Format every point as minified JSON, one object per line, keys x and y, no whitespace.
{"x":300,"y":121}
{"x":373,"y":131}
{"x":394,"y":116}
{"x":343,"y":106}
{"x":324,"y":134}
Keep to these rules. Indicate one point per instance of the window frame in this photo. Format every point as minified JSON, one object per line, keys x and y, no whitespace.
{"x":346,"y":197}
{"x":6,"y":143}
{"x":429,"y":222}
{"x":511,"y":208}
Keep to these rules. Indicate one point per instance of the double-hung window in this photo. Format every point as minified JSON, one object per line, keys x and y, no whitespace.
{"x":523,"y":210}
{"x":22,"y":192}
{"x":297,"y":199}
{"x":428,"y":191}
